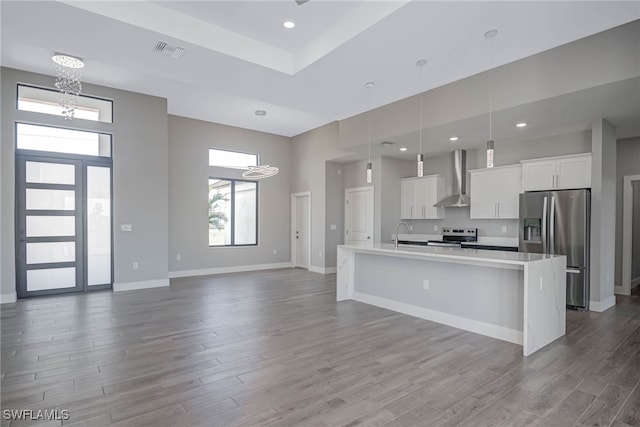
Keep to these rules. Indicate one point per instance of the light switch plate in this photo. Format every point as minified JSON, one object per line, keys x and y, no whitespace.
{"x":125,"y":227}
{"x":332,"y":227}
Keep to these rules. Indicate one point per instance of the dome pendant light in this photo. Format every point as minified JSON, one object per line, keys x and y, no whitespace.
{"x":369,"y":85}
{"x":420,"y":158}
{"x":260,"y":171}
{"x":490,"y":34}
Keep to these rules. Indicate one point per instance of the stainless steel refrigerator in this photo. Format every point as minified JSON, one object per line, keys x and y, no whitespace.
{"x":558,"y":223}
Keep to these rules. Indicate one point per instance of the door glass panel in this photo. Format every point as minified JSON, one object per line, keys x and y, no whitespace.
{"x":51,"y":278}
{"x":39,"y":253}
{"x":98,"y":225}
{"x":43,"y":226}
{"x":219,"y":212}
{"x":43,"y":199}
{"x":245,"y":213}
{"x":51,"y":173}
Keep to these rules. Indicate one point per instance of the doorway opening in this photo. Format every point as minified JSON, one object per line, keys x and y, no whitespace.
{"x":630,"y":233}
{"x":64,"y":215}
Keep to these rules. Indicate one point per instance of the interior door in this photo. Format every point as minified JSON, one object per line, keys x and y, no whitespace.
{"x":49,"y":243}
{"x":302,"y":232}
{"x":359,"y":216}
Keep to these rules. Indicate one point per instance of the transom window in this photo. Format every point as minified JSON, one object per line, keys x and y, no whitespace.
{"x":42,"y":100}
{"x":61,"y":140}
{"x":233,"y":212}
{"x":231,"y":159}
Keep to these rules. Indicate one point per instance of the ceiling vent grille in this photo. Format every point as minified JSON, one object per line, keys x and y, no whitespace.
{"x":169,"y":50}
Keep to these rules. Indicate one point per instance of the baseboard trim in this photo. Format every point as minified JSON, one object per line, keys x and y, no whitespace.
{"x":222,"y":270}
{"x":147,"y":284}
{"x":323,"y":270}
{"x":8,"y":298}
{"x":600,"y":306}
{"x":476,"y":326}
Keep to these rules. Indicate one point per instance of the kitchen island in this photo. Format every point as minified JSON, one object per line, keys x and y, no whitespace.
{"x":512,"y":296}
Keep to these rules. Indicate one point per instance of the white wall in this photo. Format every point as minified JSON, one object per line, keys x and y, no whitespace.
{"x":334,"y":212}
{"x":189,"y":171}
{"x":635,"y":242}
{"x":140,"y":177}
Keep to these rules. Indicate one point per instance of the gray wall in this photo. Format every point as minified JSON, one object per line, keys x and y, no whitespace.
{"x":309,"y":152}
{"x":189,"y":170}
{"x":635,"y":249}
{"x":603,"y":213}
{"x":334,"y":212}
{"x":628,"y":163}
{"x":140,"y":158}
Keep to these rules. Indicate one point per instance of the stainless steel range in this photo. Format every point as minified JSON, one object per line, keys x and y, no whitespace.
{"x":455,"y":236}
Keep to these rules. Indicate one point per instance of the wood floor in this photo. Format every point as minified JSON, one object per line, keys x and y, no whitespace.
{"x":273,"y":348}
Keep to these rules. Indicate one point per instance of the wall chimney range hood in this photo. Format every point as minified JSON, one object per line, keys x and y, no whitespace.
{"x":458,"y":198}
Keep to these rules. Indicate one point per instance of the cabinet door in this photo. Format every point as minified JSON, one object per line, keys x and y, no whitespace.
{"x":574,"y":173}
{"x":484,"y":191}
{"x":539,"y":175}
{"x":510,"y":187}
{"x":407,"y":199}
{"x":422,"y":188}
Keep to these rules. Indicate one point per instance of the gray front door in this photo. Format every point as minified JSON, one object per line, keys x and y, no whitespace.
{"x":63,"y":225}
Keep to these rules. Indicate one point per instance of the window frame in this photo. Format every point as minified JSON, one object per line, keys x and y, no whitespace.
{"x":61,"y":154}
{"x":233,"y":181}
{"x":231,"y":151}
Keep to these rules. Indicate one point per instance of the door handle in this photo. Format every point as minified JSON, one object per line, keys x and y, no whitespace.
{"x":552,"y":224}
{"x":498,"y":209}
{"x":544,"y":225}
{"x":368,"y":237}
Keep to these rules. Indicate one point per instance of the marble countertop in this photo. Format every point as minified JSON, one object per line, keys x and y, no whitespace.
{"x":470,"y":255}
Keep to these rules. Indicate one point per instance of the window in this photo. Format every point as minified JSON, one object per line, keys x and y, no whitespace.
{"x":41,"y":100}
{"x":60,"y":140}
{"x":233,"y":212}
{"x":232,"y":159}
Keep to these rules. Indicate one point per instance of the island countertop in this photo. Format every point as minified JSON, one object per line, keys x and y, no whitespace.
{"x":497,"y":258}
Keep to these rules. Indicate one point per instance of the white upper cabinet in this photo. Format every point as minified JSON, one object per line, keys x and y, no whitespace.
{"x":557,"y":173}
{"x":418,"y":195}
{"x":495,"y":192}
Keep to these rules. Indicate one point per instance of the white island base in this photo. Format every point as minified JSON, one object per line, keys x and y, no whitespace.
{"x":511,"y":296}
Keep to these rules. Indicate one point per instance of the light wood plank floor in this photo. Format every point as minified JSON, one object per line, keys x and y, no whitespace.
{"x":273,"y":348}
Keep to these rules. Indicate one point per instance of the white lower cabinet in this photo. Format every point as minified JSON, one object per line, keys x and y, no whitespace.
{"x":418,"y":195}
{"x":495,"y":192}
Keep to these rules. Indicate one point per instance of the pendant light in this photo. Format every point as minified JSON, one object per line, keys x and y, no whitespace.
{"x":262,"y":170}
{"x":490,"y":34}
{"x":369,"y":86}
{"x":420,"y":158}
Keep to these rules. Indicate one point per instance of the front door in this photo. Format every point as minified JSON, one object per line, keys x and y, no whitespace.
{"x":63,"y":219}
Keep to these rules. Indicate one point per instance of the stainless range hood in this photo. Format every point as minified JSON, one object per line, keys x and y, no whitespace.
{"x":458,"y":198}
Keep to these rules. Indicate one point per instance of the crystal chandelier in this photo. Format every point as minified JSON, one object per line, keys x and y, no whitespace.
{"x":260,"y":171}
{"x":68,"y":73}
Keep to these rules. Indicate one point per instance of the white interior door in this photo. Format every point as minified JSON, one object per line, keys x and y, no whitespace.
{"x":358,"y":216}
{"x":301,"y":233}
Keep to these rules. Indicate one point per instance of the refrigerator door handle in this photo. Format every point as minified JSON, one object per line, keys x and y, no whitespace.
{"x":544,"y":225}
{"x":574,"y":271}
{"x":552,"y":226}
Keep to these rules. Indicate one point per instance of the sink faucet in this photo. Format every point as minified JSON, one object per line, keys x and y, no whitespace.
{"x":398,"y":227}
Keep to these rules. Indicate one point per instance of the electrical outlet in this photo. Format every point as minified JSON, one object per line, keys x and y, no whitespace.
{"x":541,"y":284}
{"x":504,"y":228}
{"x":125,"y":227}
{"x":319,"y":254}
{"x":275,"y":252}
{"x":333,"y":227}
{"x":135,"y":265}
{"x":425,"y":284}
{"x":435,"y":228}
{"x":178,"y":257}
{"x":411,"y":227}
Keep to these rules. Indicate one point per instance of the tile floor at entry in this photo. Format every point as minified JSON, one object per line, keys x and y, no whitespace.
{"x":273,"y":348}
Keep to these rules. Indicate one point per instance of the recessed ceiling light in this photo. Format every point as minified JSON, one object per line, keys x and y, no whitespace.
{"x":521,"y":124}
{"x":403,"y":148}
{"x":453,"y":139}
{"x":289,"y":24}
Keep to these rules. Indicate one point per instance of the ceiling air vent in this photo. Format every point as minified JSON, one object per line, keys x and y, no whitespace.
{"x":387,"y":143}
{"x":169,"y":50}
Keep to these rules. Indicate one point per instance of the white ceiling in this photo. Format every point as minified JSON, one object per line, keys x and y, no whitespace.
{"x":240,"y":58}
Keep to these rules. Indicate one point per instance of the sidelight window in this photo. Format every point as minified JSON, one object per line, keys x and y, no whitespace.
{"x":233,"y":212}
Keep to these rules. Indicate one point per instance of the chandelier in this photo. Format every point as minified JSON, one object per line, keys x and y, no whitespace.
{"x":260,"y":171}
{"x":68,"y":73}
